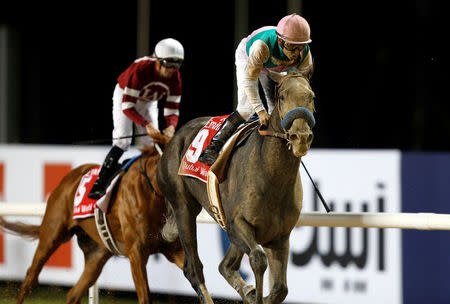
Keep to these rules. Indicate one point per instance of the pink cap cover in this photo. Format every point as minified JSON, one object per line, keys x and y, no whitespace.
{"x":294,"y":29}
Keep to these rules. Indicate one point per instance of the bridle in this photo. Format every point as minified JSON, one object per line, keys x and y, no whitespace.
{"x":285,"y":133}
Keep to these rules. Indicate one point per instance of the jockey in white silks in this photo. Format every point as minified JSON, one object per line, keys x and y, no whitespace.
{"x":135,"y":102}
{"x":282,"y":48}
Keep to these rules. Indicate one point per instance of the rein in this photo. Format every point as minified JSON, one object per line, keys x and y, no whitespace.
{"x":149,"y":182}
{"x":273,"y":134}
{"x":284,"y":135}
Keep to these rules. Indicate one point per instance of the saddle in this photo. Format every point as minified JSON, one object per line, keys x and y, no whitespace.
{"x":217,"y":171}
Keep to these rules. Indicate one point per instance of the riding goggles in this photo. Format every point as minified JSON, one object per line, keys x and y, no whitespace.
{"x":171,"y":62}
{"x":291,"y":47}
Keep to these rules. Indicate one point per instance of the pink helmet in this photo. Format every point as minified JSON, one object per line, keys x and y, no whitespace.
{"x":294,"y":29}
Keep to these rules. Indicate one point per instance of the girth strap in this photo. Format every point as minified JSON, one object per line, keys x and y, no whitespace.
{"x":105,"y":233}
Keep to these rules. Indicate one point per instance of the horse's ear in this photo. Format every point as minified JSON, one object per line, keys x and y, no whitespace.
{"x":308,"y":72}
{"x":275,"y":76}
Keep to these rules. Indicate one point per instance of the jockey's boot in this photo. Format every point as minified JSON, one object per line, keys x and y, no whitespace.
{"x":106,"y":172}
{"x":210,"y":154}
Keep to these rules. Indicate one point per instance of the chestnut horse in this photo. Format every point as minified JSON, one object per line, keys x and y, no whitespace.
{"x":138,"y":220}
{"x":261,"y":193}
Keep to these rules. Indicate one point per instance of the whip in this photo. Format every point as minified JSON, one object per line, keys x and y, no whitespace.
{"x":106,"y":140}
{"x":317,"y":189}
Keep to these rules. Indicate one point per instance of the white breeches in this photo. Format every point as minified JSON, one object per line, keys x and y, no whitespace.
{"x":244,"y":107}
{"x":123,"y":126}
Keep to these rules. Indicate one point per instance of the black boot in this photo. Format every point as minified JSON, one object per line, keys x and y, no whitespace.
{"x":210,"y":154}
{"x":106,"y":172}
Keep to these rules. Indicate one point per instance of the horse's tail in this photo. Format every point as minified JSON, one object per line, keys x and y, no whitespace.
{"x":19,"y":228}
{"x":170,"y":231}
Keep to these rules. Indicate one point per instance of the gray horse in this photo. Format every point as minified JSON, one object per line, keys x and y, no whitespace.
{"x":261,"y":194}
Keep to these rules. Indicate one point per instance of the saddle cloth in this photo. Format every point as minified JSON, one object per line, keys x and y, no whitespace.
{"x":190,"y":166}
{"x":84,"y":206}
{"x":212,"y":175}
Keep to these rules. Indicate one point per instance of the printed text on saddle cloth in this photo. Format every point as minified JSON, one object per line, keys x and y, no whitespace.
{"x":82,"y":205}
{"x":189,"y":165}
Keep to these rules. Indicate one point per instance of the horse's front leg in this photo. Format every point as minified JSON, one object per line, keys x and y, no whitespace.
{"x":277,"y":255}
{"x":242,"y":235}
{"x":229,"y":268}
{"x":138,"y":261}
{"x":193,"y":268}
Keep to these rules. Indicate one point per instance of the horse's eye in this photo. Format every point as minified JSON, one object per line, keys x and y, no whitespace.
{"x":282,"y":97}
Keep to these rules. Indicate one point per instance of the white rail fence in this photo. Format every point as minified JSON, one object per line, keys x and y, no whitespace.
{"x":420,"y":221}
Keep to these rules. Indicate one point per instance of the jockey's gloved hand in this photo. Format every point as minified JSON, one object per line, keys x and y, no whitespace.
{"x":151,"y":130}
{"x":169,"y":131}
{"x":264,"y":117}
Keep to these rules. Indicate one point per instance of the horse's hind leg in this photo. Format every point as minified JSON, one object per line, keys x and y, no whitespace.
{"x":242,"y":235}
{"x":193,"y":268}
{"x":229,"y":268}
{"x":95,"y":257}
{"x":278,"y":255}
{"x":49,"y":241}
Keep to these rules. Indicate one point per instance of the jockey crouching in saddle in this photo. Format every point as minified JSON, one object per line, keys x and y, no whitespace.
{"x":146,"y":81}
{"x":282,"y":49}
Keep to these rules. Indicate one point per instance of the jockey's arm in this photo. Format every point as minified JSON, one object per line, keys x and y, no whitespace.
{"x":258,"y":54}
{"x":151,"y":129}
{"x":171,"y":113}
{"x":128,"y":108}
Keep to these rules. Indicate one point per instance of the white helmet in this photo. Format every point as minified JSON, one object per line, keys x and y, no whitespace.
{"x":169,"y":48}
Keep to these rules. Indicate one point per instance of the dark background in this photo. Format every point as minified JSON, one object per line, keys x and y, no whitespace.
{"x":381,"y":67}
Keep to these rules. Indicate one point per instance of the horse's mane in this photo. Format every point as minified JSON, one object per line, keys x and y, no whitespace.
{"x":148,"y":151}
{"x":161,"y":139}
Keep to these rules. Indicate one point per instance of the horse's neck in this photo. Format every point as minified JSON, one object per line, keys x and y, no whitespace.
{"x":148,"y":166}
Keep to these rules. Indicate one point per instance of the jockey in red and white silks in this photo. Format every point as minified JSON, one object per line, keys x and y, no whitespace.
{"x":135,"y":101}
{"x":136,"y":97}
{"x":280,"y":48}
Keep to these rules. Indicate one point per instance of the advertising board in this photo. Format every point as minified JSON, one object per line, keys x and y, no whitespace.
{"x":326,"y":265}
